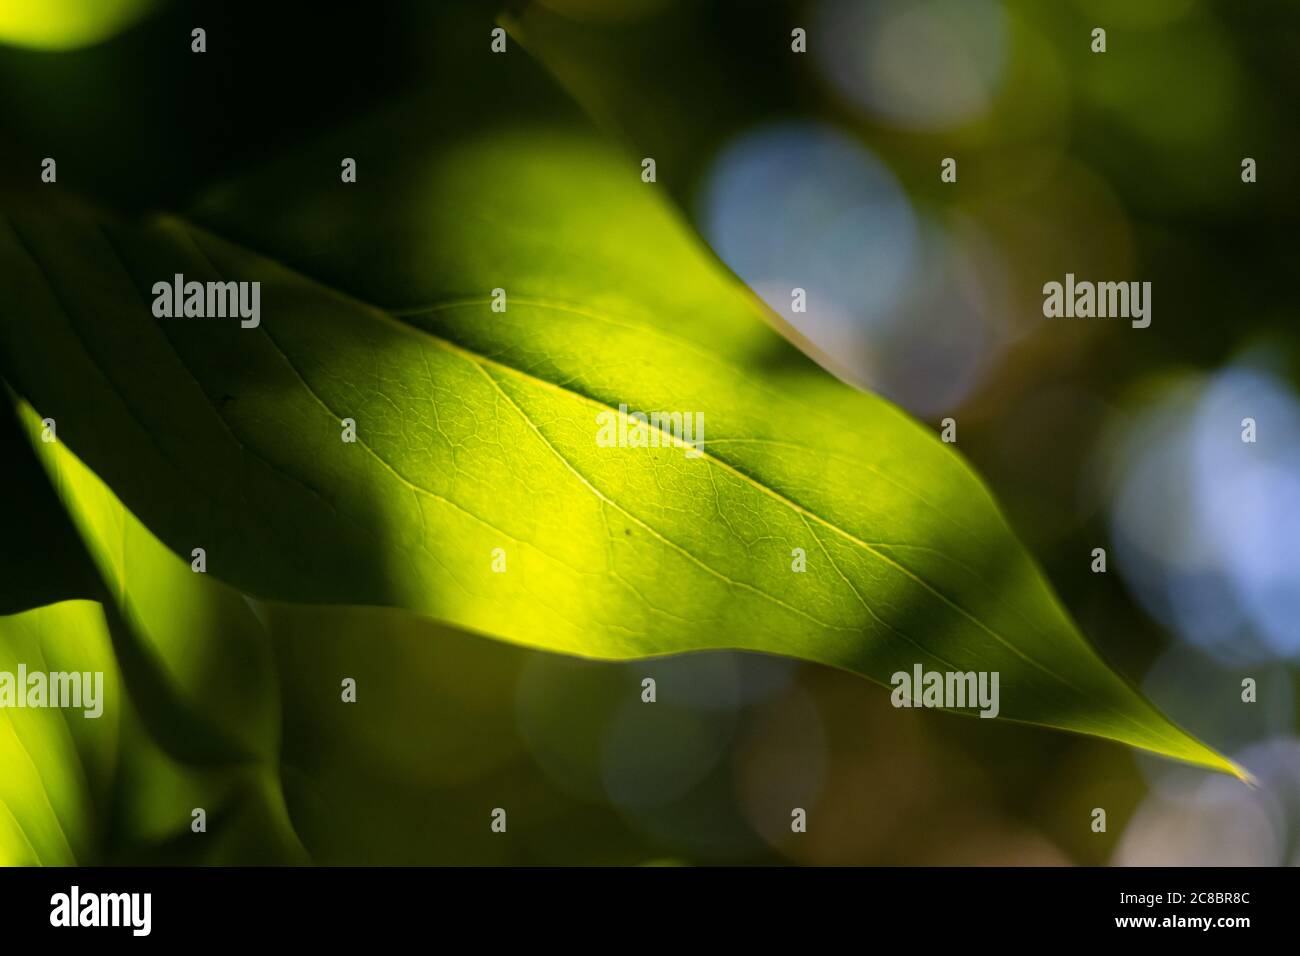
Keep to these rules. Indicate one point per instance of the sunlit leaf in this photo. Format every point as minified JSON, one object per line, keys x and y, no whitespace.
{"x":478,"y":429}
{"x":58,"y":766}
{"x":42,"y":561}
{"x":91,"y":786}
{"x":282,"y":767}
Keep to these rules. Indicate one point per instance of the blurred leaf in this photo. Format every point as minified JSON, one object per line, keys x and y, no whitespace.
{"x":80,"y":790}
{"x":198,"y":643}
{"x":477,"y":429}
{"x":66,"y":24}
{"x":193,"y":657}
{"x":271,"y":76}
{"x":58,"y":768}
{"x":201,"y":665}
{"x":42,"y":560}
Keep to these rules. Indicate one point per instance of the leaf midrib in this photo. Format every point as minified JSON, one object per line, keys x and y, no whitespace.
{"x":461,"y":352}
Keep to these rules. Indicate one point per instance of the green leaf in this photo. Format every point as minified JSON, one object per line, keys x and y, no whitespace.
{"x":240,"y":713}
{"x":58,"y":767}
{"x":191,"y":709}
{"x":477,"y":430}
{"x":42,"y":560}
{"x":91,"y":790}
{"x":196,"y":644}
{"x":83,"y":790}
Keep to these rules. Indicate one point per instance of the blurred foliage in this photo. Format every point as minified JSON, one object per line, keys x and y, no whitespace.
{"x":66,"y":24}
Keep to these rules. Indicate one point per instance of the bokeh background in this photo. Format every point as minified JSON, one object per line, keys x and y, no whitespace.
{"x":821,"y":170}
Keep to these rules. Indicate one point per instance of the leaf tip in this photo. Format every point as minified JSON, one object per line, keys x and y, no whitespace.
{"x":1245,"y":776}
